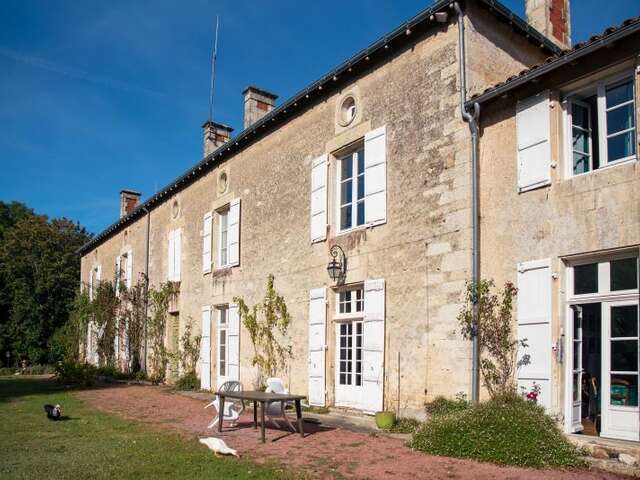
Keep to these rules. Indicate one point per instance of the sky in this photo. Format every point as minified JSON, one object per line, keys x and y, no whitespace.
{"x":96,"y":97}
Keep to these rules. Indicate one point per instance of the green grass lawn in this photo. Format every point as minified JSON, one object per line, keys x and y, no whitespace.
{"x":91,"y":444}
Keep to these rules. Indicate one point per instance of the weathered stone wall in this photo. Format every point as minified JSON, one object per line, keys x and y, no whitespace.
{"x":422,"y":251}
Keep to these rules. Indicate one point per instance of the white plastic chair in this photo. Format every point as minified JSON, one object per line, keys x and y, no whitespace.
{"x":277,"y":409}
{"x":230,"y":412}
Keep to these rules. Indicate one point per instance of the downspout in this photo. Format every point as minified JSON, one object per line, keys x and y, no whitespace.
{"x":146,"y":284}
{"x":471,"y":118}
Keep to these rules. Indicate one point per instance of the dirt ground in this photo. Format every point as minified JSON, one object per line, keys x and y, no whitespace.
{"x":331,"y":453}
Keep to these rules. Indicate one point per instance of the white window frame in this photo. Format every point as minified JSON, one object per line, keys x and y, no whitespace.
{"x":354,"y":314}
{"x":222,"y":321}
{"x":223,"y":213}
{"x":355,"y":174}
{"x":599,"y":88}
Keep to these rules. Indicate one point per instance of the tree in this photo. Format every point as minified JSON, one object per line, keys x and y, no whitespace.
{"x":267,"y":323}
{"x":39,"y":268}
{"x":498,"y":347}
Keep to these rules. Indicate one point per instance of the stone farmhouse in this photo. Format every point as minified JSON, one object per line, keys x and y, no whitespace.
{"x":467,"y":143}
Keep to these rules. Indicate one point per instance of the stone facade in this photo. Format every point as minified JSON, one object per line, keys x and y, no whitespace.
{"x":422,"y":251}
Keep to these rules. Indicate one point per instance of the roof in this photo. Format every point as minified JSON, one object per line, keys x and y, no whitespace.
{"x":349,"y":69}
{"x":604,"y":39}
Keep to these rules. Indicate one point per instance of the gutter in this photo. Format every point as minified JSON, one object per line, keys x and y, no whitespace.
{"x":471,"y":116}
{"x":146,"y":284}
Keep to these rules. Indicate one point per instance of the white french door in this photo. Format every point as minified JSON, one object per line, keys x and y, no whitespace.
{"x":577,"y":371}
{"x":222,"y":352}
{"x":349,"y":384}
{"x":205,"y":349}
{"x":620,"y":413}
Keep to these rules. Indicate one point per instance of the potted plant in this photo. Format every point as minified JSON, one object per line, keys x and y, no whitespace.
{"x":385,"y":419}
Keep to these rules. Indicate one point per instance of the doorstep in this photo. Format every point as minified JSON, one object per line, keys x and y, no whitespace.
{"x":616,"y":456}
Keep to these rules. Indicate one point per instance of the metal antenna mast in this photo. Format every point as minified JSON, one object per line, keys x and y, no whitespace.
{"x":213,"y":71}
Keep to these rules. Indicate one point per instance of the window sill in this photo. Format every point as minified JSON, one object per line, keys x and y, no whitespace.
{"x":617,"y":163}
{"x":359,"y":227}
{"x":347,"y":317}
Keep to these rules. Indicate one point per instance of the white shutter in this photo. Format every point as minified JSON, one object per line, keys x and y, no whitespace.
{"x":98,"y":274}
{"x":233,"y":233}
{"x":317,"y":328}
{"x":205,"y":349}
{"x":117,"y":282}
{"x":375,"y":176}
{"x":206,"y":242}
{"x":534,"y":146}
{"x":91,"y":284}
{"x":534,"y":326}
{"x":233,"y":343}
{"x":129,"y":272}
{"x":171,"y":253}
{"x":373,"y":346}
{"x":319,"y":198}
{"x":178,"y":254}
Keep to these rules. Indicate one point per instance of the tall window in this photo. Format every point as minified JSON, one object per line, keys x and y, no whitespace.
{"x":222,"y":341}
{"x":350,"y":312}
{"x":351,"y":190}
{"x":602,"y":125}
{"x":223,"y":255}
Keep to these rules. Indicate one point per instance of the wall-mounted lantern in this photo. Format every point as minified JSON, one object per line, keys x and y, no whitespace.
{"x":337,"y":267}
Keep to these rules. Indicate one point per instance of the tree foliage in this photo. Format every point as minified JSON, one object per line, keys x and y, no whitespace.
{"x":497,"y":345}
{"x":267,"y":323}
{"x":39,"y":271}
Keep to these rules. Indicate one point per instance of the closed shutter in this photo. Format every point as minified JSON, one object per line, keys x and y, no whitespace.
{"x":205,"y":349}
{"x":534,"y":146}
{"x":317,"y":329}
{"x":98,"y":274}
{"x":373,"y":346}
{"x":129,"y":272}
{"x":177,"y":255}
{"x":206,"y":242}
{"x":118,"y":274}
{"x":234,"y":233}
{"x":171,"y":256}
{"x":233,"y":343}
{"x":375,"y":176}
{"x":534,"y":327}
{"x":319,"y":198}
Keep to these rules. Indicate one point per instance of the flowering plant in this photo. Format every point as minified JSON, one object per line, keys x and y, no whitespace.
{"x":533,"y":394}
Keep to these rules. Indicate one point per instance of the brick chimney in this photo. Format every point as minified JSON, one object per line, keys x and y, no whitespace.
{"x":215,"y":134}
{"x":129,"y":200}
{"x":257,"y":103}
{"x":552,"y":18}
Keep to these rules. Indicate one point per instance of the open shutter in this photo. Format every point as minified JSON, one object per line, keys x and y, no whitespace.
{"x":98,"y":274}
{"x":375,"y":174}
{"x":534,"y":146}
{"x":171,"y":256}
{"x":118,"y":274}
{"x":319,"y":198}
{"x":129,"y":272}
{"x":205,"y":349}
{"x":534,"y":326}
{"x":317,"y":329}
{"x":206,"y":242}
{"x":373,"y":346}
{"x":177,"y":255}
{"x":234,"y":233}
{"x":233,"y":343}
{"x":91,"y":284}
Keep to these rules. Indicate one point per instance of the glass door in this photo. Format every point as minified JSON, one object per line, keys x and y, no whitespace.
{"x":576,"y":368}
{"x":349,"y":362}
{"x":621,"y":417}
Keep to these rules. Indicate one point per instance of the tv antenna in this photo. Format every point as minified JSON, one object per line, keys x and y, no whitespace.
{"x":213,"y":70}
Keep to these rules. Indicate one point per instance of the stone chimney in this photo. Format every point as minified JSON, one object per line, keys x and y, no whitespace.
{"x":129,"y":200}
{"x":257,"y":103}
{"x":215,"y":134}
{"x":552,"y":18}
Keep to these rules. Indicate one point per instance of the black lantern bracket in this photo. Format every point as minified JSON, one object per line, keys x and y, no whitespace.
{"x":337,"y":267}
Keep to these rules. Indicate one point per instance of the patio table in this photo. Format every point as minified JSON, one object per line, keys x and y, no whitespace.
{"x":263,"y":398}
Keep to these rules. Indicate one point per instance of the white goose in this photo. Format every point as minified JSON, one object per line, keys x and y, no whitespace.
{"x":218,"y":446}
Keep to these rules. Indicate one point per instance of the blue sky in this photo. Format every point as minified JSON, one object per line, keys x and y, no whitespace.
{"x":100,"y":96}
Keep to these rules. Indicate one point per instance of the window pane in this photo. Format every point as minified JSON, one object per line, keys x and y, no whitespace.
{"x":576,"y":390}
{"x":624,"y":355}
{"x":361,"y":161}
{"x":580,"y":141}
{"x":620,"y":119}
{"x":346,"y":192}
{"x":585,"y":278}
{"x":347,"y":167}
{"x":624,"y":274}
{"x":580,"y":163}
{"x":619,"y":94}
{"x":621,"y":146}
{"x":360,"y":187}
{"x":361,"y":213}
{"x":580,"y":115}
{"x":345,"y":217}
{"x":624,"y":321}
{"x":624,"y":390}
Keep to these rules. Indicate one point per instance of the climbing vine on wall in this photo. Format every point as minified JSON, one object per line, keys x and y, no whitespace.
{"x":159,"y":301}
{"x":104,"y":310}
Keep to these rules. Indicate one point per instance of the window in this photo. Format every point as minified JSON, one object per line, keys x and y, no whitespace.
{"x":351,"y":190}
{"x":350,"y":367}
{"x":609,"y":276}
{"x":222,"y":341}
{"x":223,"y":257}
{"x":351,"y":301}
{"x":602,"y":125}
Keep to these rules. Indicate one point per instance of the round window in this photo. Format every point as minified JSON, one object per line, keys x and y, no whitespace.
{"x":347,"y":111}
{"x":222,"y":182}
{"x":175,"y":209}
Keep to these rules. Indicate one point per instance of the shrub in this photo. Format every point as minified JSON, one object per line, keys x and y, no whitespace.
{"x":444,"y":406}
{"x":188,"y":381}
{"x":31,"y":370}
{"x":83,"y":375}
{"x":516,"y":432}
{"x":405,"y":425}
